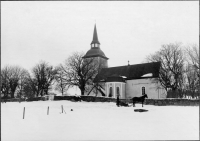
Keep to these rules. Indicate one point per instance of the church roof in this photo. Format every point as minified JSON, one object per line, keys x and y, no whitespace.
{"x":130,"y":72}
{"x":95,"y":37}
{"x":115,"y":78}
{"x":95,"y":52}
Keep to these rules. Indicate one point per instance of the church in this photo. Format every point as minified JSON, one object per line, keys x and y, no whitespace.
{"x":125,"y":81}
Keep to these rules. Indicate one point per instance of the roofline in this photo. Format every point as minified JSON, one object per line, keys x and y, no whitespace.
{"x":95,"y":56}
{"x":133,"y":65}
{"x":141,"y":78}
{"x":115,"y":82}
{"x":129,"y":79}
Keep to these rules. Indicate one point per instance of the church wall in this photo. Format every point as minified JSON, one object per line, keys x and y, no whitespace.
{"x":134,"y":89}
{"x":99,"y":60}
{"x":114,"y":86}
{"x":103,"y":61}
{"x":123,"y":91}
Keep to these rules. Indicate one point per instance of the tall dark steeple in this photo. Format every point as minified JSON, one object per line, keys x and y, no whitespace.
{"x":95,"y":50}
{"x":95,"y":36}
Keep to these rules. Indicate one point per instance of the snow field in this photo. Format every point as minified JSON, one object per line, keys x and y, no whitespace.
{"x":97,"y":121}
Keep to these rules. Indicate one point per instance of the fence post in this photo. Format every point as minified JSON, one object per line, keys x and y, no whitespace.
{"x":62,"y":108}
{"x":24,"y":113}
{"x":48,"y":110}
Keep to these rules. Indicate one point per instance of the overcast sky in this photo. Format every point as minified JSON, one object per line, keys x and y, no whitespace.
{"x":127,"y":30}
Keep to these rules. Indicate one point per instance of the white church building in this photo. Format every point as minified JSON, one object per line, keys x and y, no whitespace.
{"x":126,"y":81}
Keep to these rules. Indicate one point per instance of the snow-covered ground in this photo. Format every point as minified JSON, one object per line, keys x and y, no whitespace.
{"x":97,"y":121}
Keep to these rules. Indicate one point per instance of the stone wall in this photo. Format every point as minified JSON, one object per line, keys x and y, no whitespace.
{"x":156,"y":102}
{"x":86,"y":98}
{"x":171,"y":101}
{"x":97,"y":99}
{"x":23,"y":100}
{"x":12,"y":100}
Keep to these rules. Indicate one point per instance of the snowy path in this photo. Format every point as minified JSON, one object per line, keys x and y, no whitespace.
{"x":97,"y":121}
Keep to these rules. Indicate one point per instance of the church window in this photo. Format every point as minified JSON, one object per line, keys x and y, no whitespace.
{"x":110,"y":92}
{"x":143,"y":90}
{"x":118,"y":94}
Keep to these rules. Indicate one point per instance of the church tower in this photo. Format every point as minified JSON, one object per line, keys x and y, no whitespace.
{"x":96,"y":52}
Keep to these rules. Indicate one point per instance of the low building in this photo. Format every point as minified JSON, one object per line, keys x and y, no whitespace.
{"x":131,"y":80}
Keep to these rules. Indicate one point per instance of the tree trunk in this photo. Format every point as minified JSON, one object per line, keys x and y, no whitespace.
{"x":62,"y":91}
{"x":82,"y":92}
{"x":41,"y":92}
{"x":46,"y":91}
{"x":82,"y":88}
{"x":37,"y":93}
{"x":12,"y":94}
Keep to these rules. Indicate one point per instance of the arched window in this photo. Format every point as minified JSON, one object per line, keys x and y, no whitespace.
{"x":143,"y":90}
{"x":118,"y":94}
{"x":110,"y":92}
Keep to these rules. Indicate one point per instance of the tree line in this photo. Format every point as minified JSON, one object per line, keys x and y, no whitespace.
{"x":75,"y":71}
{"x":179,"y":72}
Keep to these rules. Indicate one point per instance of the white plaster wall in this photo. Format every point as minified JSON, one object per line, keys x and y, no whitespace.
{"x":110,"y":84}
{"x":123,"y":91}
{"x":114,"y":89}
{"x":134,"y":88}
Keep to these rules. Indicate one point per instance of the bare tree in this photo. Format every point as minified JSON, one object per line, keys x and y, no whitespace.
{"x":192,"y":52}
{"x":193,"y":69}
{"x":61,"y":86}
{"x":79,"y":72}
{"x":5,"y":76}
{"x":24,"y":75}
{"x":30,"y":87}
{"x":192,"y":80}
{"x":172,"y":63}
{"x":44,"y":75}
{"x":11,"y":76}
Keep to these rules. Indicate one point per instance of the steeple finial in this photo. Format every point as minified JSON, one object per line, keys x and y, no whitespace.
{"x":95,"y":37}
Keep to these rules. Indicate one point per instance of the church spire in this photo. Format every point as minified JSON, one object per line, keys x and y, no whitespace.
{"x":95,"y":37}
